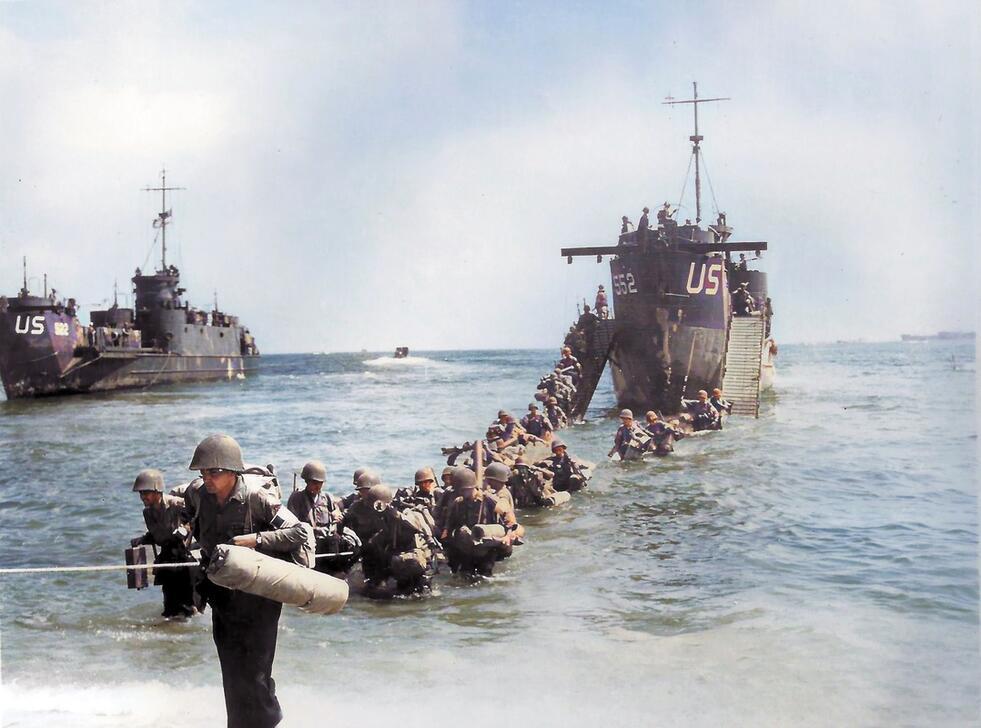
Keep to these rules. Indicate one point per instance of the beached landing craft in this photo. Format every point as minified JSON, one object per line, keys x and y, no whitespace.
{"x":45,"y":350}
{"x":680,"y":324}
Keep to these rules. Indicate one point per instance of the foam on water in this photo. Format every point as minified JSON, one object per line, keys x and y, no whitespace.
{"x":406,"y":361}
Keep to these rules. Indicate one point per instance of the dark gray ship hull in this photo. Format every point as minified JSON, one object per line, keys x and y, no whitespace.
{"x":672,"y":315}
{"x":47,"y":353}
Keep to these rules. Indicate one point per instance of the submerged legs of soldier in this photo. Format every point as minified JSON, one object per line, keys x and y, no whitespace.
{"x":178,"y":594}
{"x":245,"y":631}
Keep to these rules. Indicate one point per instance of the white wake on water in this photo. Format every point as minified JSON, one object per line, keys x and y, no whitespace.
{"x":408,"y":361}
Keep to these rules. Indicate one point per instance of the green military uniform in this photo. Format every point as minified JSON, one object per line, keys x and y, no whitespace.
{"x":162,"y":522}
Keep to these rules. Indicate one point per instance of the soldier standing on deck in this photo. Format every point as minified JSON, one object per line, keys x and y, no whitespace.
{"x":165,"y":530}
{"x":643,"y":225}
{"x":602,"y":305}
{"x":245,"y":626}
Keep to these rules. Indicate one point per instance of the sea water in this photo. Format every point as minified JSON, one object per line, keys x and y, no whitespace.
{"x":817,"y":566}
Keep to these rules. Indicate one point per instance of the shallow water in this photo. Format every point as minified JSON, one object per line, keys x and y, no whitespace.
{"x":817,"y":566}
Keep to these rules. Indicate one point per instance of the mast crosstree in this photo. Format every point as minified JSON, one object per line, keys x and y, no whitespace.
{"x":696,"y":139}
{"x":163,"y":217}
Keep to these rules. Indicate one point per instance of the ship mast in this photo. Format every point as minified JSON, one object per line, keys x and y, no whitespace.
{"x":163,"y":217}
{"x":696,"y":139}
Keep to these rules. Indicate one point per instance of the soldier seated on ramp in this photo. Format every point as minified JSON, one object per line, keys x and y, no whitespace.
{"x":557,"y":417}
{"x":536,"y":425}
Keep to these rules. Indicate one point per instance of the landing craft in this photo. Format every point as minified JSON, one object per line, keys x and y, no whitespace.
{"x":682,"y":318}
{"x":45,"y":350}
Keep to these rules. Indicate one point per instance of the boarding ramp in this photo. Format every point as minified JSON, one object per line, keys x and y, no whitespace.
{"x":741,"y":383}
{"x":598,"y":344}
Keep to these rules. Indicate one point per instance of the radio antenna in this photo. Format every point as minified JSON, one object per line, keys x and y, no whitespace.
{"x":163,"y":217}
{"x":696,"y":140}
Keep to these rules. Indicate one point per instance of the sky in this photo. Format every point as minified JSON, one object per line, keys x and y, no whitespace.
{"x":368,"y":175}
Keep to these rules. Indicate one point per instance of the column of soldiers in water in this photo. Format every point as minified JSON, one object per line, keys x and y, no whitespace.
{"x":399,"y":536}
{"x":657,"y":435}
{"x":468,"y":519}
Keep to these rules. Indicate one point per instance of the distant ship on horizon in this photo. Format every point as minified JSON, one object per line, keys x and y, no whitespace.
{"x":939,"y":336}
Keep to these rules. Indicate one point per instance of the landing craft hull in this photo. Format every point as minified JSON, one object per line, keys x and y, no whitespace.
{"x":49,"y":357}
{"x":672,"y":312}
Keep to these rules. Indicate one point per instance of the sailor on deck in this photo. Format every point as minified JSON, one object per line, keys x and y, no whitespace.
{"x":643,"y":225}
{"x":601,"y":304}
{"x":587,"y":321}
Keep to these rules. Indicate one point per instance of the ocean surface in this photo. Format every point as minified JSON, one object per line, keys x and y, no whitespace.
{"x":818,"y":566}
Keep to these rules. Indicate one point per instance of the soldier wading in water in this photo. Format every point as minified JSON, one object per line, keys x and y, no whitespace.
{"x":227,"y":510}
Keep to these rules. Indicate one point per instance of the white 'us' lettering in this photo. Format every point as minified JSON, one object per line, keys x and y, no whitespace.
{"x":31,"y":324}
{"x":709,"y":280}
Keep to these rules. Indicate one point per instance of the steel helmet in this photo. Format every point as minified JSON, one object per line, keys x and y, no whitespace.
{"x":556,"y":444}
{"x":448,"y":470}
{"x":368,"y":479}
{"x":149,"y":480}
{"x":626,"y":413}
{"x":651,"y":415}
{"x":219,"y":452}
{"x":464,"y":478}
{"x":532,"y":407}
{"x":314,"y":470}
{"x":497,"y":471}
{"x":380,"y":493}
{"x":702,"y":393}
{"x":358,"y":473}
{"x":424,"y":474}
{"x":716,"y":392}
{"x":553,"y":400}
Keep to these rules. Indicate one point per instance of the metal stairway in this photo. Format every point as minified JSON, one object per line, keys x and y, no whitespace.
{"x":741,"y":383}
{"x":593,"y":363}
